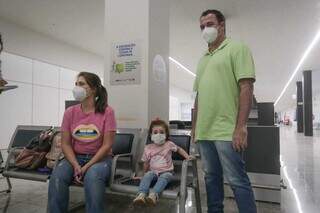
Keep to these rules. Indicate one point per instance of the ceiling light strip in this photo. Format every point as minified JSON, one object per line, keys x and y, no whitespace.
{"x":183,"y":67}
{"x":304,"y":56}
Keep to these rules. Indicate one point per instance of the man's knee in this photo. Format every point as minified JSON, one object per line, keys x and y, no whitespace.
{"x":238,"y":181}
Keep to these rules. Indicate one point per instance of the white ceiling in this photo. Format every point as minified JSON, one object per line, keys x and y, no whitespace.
{"x":77,"y":22}
{"x":277,"y":31}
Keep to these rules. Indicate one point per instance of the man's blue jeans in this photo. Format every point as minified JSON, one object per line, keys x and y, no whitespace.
{"x":220,"y":159}
{"x":162,"y":181}
{"x":94,"y":182}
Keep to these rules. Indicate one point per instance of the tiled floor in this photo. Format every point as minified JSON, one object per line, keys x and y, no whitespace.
{"x":31,"y":197}
{"x":300,"y":156}
{"x":301,"y":170}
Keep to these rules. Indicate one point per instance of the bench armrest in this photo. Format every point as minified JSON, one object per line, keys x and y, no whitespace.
{"x":114,"y":165}
{"x":183,"y":181}
{"x":11,"y":154}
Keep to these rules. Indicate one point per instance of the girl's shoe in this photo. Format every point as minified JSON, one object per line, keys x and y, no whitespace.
{"x":152,"y":199}
{"x":140,"y":200}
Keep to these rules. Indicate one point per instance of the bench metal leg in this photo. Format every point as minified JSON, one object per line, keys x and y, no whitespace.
{"x":195,"y":186}
{"x":9,"y":186}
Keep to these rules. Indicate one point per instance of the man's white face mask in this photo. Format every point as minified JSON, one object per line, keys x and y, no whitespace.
{"x":210,"y":34}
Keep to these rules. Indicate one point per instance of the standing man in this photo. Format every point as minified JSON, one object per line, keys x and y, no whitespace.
{"x":224,"y":86}
{"x":2,"y":81}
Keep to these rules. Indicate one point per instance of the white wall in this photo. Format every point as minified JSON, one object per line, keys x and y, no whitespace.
{"x":174,"y":108}
{"x":22,"y":41}
{"x":45,"y":70}
{"x":129,"y":101}
{"x":177,"y":97}
{"x":39,"y":98}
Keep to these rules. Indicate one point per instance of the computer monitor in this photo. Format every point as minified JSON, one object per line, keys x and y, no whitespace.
{"x":69,"y":103}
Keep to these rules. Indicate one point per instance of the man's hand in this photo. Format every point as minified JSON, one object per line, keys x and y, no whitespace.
{"x":3,"y":82}
{"x":194,"y":119}
{"x":239,"y":142}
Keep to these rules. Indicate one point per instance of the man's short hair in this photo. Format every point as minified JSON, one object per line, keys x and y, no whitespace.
{"x":217,"y":13}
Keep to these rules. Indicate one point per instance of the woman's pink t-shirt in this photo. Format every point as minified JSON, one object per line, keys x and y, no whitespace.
{"x":87,"y":130}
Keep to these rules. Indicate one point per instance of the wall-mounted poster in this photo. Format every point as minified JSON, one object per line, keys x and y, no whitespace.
{"x":159,"y":69}
{"x":126,"y":63}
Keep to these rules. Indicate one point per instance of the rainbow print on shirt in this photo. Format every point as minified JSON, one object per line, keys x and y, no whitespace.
{"x":86,"y":133}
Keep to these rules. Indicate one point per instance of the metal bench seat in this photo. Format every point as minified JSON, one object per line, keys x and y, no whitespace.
{"x":26,"y":174}
{"x":177,"y":189}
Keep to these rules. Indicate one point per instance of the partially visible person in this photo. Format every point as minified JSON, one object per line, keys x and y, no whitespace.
{"x":2,"y":81}
{"x":88,"y":131}
{"x":158,"y":165}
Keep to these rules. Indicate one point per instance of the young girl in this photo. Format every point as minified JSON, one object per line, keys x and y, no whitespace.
{"x":158,"y":166}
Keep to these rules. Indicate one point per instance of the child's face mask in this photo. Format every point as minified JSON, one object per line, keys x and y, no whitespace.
{"x":158,"y":135}
{"x":158,"y":138}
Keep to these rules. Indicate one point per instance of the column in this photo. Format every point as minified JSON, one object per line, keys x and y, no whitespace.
{"x":136,"y":60}
{"x":299,"y":110}
{"x":307,"y":103}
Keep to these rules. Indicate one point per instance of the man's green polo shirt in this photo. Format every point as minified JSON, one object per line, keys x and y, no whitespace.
{"x":217,"y":86}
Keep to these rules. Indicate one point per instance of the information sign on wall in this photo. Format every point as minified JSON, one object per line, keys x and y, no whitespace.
{"x":126,"y":63}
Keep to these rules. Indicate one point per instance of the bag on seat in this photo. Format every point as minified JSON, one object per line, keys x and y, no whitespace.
{"x":42,"y":142}
{"x":33,"y":156}
{"x":30,"y":159}
{"x":55,"y":152}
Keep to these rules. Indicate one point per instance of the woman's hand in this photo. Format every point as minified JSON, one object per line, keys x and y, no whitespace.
{"x":78,"y":175}
{"x":84,"y":169}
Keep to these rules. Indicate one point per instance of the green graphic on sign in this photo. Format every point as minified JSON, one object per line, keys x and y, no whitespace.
{"x":119,"y":68}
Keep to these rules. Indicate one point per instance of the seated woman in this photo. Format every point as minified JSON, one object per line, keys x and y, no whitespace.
{"x":88,"y":131}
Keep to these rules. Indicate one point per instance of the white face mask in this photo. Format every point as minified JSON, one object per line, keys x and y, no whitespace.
{"x":210,"y":34}
{"x":158,"y":139}
{"x":79,"y":93}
